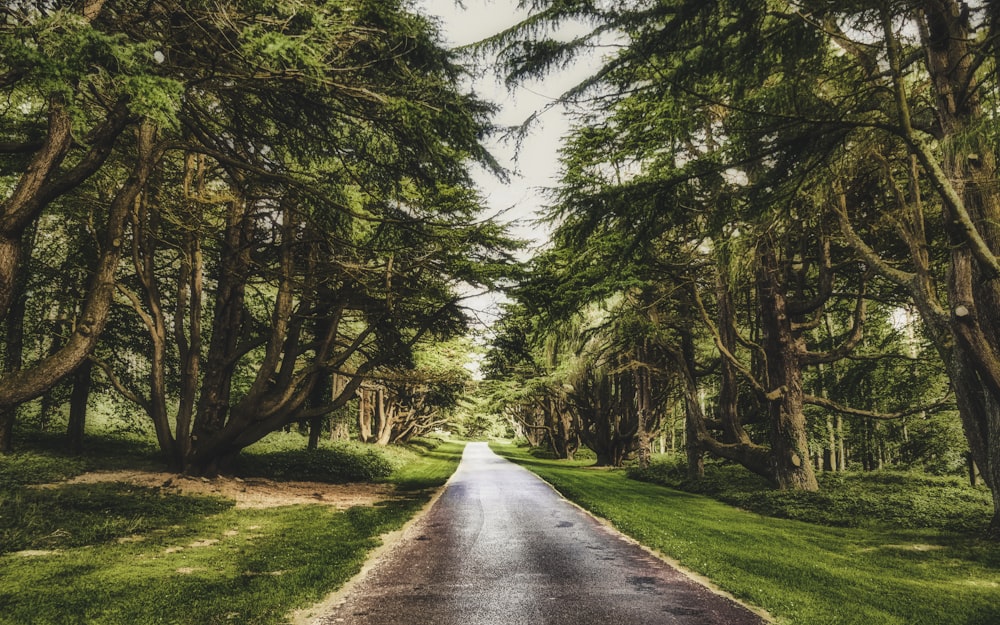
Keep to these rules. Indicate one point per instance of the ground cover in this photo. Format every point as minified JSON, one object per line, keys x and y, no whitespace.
{"x":78,"y":549}
{"x":802,"y":573}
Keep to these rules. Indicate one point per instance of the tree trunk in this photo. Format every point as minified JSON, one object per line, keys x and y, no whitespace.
{"x":841,"y":447}
{"x":28,"y":383}
{"x":14,"y":352}
{"x":227,"y":327}
{"x":787,"y":422}
{"x":365,"y":411}
{"x":966,"y":180}
{"x":21,"y":208}
{"x":78,"y":406}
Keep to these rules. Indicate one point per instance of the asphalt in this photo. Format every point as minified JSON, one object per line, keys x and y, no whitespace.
{"x":501,"y":547}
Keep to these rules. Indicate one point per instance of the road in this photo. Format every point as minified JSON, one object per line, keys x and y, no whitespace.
{"x":501,"y":547}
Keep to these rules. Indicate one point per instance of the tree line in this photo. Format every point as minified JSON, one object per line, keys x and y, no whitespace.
{"x":237,"y":216}
{"x":777,"y":223}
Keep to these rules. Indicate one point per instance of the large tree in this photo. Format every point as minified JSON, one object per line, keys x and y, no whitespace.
{"x":776,"y":94}
{"x":293,"y":199}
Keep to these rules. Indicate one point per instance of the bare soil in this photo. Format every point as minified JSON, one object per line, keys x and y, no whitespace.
{"x":252,"y":492}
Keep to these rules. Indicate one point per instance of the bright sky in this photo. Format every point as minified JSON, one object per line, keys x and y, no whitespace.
{"x":536,"y":165}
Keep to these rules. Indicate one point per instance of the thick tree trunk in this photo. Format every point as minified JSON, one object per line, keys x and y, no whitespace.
{"x":189,"y":306}
{"x":693,"y":428}
{"x":21,"y":208}
{"x":965,"y":178}
{"x":227,"y":327}
{"x":561,"y":427}
{"x":383,"y":421}
{"x":13,"y":357}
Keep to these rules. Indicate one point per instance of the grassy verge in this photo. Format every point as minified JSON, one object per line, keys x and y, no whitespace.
{"x":120,"y":554}
{"x":802,"y":573}
{"x":889,"y":499}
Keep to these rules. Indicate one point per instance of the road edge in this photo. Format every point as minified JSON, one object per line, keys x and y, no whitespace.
{"x":659,"y":555}
{"x":312,"y":614}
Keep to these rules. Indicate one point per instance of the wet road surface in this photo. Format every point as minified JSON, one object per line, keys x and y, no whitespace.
{"x":500,"y":547}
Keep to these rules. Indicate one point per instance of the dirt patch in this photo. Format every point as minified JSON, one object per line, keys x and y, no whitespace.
{"x":34,"y":553}
{"x":250,"y":493}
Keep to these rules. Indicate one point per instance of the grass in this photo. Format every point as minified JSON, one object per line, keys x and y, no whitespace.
{"x":889,"y":499}
{"x":114,"y":554}
{"x":802,"y":573}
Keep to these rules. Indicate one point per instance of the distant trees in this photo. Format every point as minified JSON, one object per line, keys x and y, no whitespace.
{"x":266,"y":205}
{"x":789,"y":178}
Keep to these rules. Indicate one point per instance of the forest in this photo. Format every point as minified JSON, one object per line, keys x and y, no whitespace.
{"x":774,"y":241}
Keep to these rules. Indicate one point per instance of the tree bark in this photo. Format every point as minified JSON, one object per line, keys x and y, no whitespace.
{"x":17,"y":388}
{"x":972,"y":206}
{"x":14,"y":352}
{"x":787,"y":422}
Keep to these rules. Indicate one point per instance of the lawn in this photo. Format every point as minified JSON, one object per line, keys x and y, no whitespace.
{"x":116,"y":553}
{"x":802,"y":573}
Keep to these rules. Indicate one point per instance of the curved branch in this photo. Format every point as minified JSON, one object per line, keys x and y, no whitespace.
{"x":853,"y":338}
{"x":720,"y":345}
{"x":870,"y":256}
{"x":119,"y":386}
{"x":868,"y":414}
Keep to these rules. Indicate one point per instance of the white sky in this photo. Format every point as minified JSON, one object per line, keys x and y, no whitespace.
{"x":536,"y":165}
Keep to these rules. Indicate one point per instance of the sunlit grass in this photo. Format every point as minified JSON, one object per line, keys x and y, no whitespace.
{"x":116,"y":554}
{"x":802,"y":573}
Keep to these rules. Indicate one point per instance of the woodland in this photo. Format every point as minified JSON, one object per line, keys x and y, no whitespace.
{"x":775,"y":236}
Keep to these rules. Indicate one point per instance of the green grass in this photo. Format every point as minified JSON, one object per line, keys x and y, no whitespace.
{"x":801,"y":573}
{"x":888,"y":499}
{"x":115,"y":554}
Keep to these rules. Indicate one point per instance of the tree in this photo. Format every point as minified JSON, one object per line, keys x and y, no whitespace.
{"x":778,"y":93}
{"x":272,"y":249}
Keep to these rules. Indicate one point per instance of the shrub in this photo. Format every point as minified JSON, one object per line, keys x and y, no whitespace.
{"x":337,"y":462}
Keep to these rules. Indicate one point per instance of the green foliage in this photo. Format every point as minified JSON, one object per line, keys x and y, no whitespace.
{"x":879,"y":499}
{"x":333,"y":462}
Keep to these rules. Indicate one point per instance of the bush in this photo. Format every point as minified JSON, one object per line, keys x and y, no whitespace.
{"x":337,"y":462}
{"x":427,"y":443}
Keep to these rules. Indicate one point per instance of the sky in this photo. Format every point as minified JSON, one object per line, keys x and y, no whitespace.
{"x":535,"y":165}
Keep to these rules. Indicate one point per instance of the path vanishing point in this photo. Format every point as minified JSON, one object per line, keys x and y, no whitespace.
{"x":501,"y":547}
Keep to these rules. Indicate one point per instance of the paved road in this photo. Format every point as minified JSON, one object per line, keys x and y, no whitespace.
{"x":500,"y":547}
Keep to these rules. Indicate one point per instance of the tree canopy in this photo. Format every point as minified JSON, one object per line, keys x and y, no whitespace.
{"x":801,"y":198}
{"x":265,"y":204}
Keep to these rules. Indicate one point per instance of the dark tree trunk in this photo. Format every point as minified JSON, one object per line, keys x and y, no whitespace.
{"x":13,"y":356}
{"x":966,"y":180}
{"x":227,"y":327}
{"x":78,"y":406}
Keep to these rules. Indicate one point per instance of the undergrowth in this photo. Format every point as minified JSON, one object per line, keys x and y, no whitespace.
{"x":897,"y":499}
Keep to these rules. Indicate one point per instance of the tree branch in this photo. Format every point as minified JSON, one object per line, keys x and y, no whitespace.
{"x":856,"y":412}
